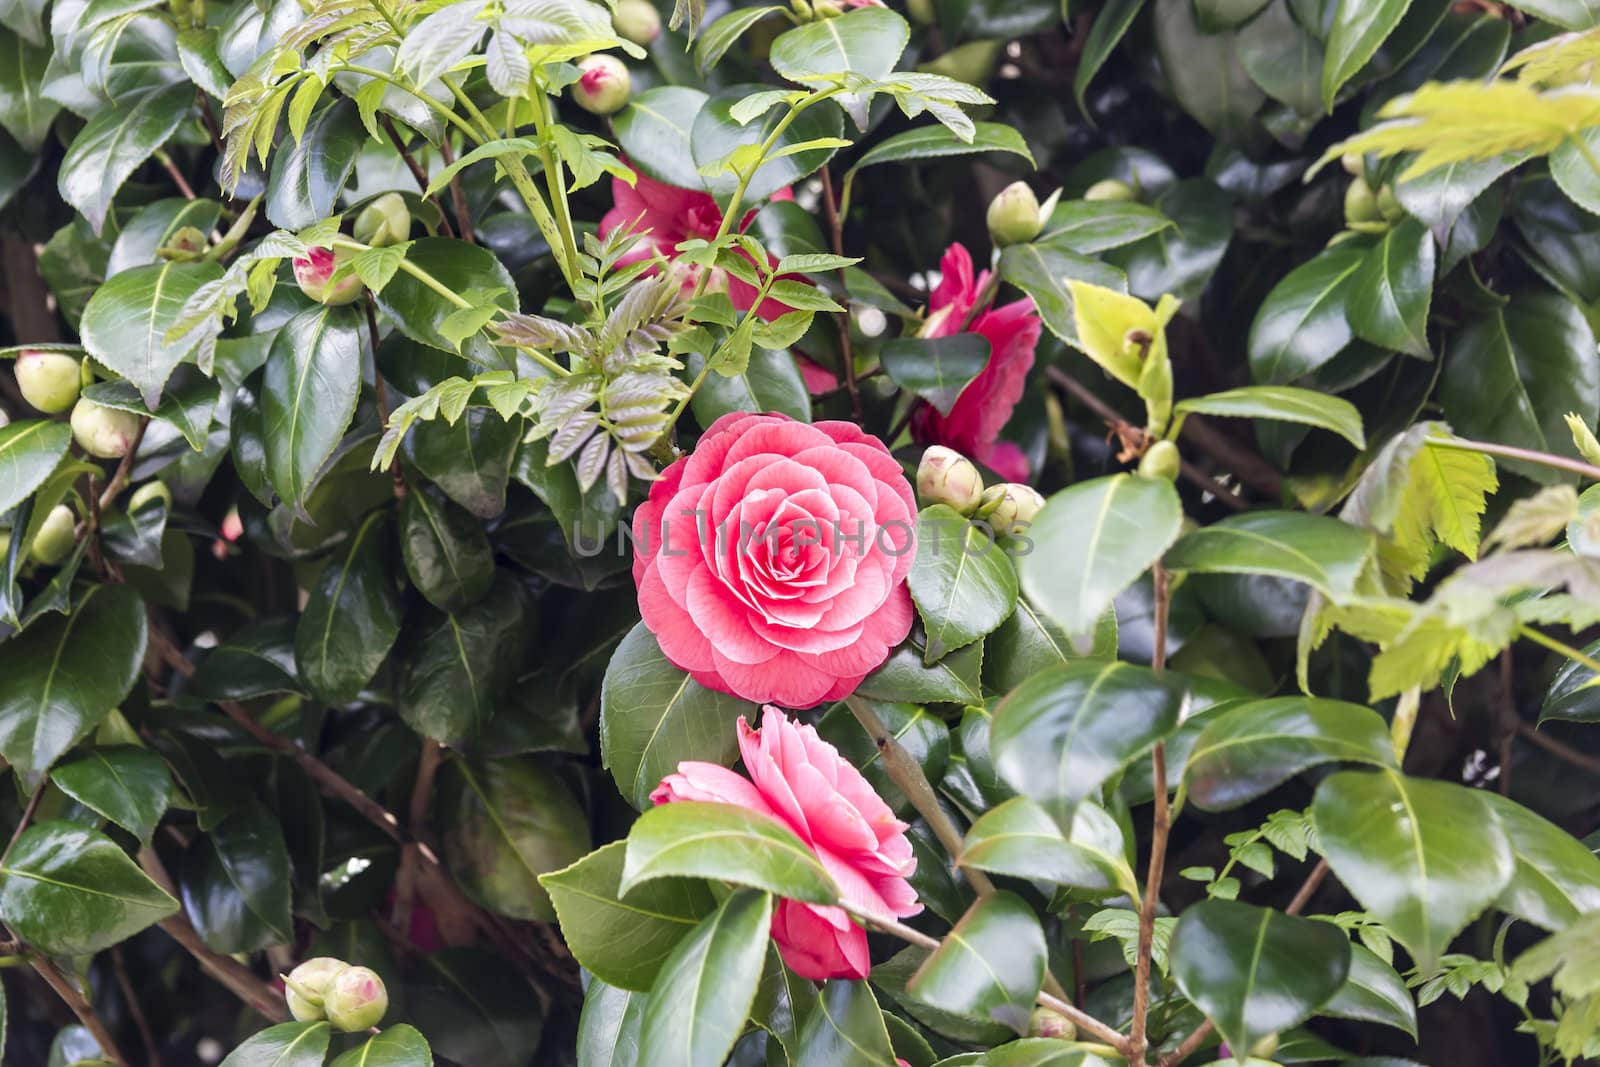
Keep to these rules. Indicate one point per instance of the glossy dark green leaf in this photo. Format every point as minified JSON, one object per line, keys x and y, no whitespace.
{"x":456,"y":667}
{"x":1111,"y":23}
{"x":906,"y":676}
{"x":313,"y":377}
{"x":1424,"y":857}
{"x":1020,"y":839}
{"x":962,"y":581}
{"x":1027,"y":642}
{"x":922,"y":735}
{"x":420,"y":311}
{"x":1359,"y":27}
{"x":938,"y":141}
{"x":1571,"y":695}
{"x":1204,"y":72}
{"x":123,"y":783}
{"x":284,"y":1045}
{"x":700,"y":1000}
{"x":653,"y":716}
{"x":188,"y":402}
{"x":1439,"y":197}
{"x":201,"y":59}
{"x":1557,"y":877}
{"x":24,"y":112}
{"x":1568,"y":14}
{"x":126,"y":321}
{"x":844,"y":1028}
{"x":1283,"y":403}
{"x":475,"y":1007}
{"x":64,"y":673}
{"x":990,"y":965}
{"x":399,"y":1045}
{"x":866,"y":42}
{"x":115,"y":142}
{"x":724,"y":842}
{"x":1511,"y":373}
{"x":608,"y":1029}
{"x":1250,"y":749}
{"x":1325,"y":553}
{"x":70,"y":891}
{"x":1092,"y":541}
{"x":446,"y":552}
{"x":1061,"y":734}
{"x":29,"y":451}
{"x":771,"y":381}
{"x":623,"y":940}
{"x":1390,"y":292}
{"x":254,"y":859}
{"x":352,"y":617}
{"x":654,"y":130}
{"x":154,"y":225}
{"x":1088,"y":227}
{"x":471,"y":460}
{"x":1374,"y":993}
{"x":716,"y":133}
{"x":308,"y":176}
{"x":1043,"y":271}
{"x":1283,"y":58}
{"x":1255,"y":971}
{"x":1303,"y":324}
{"x":256,"y":660}
{"x":716,"y":38}
{"x":936,"y":368}
{"x":1180,"y":260}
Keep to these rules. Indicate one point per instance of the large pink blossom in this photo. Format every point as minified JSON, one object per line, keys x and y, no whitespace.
{"x":802,"y":781}
{"x":985,"y":405}
{"x":667,"y":216}
{"x":771,"y":562}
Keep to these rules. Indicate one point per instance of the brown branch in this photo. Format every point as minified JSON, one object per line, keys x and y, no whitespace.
{"x":22,"y":824}
{"x":119,"y":480}
{"x":1508,"y":720}
{"x":846,"y":351}
{"x":457,"y":196}
{"x":152,"y":1051}
{"x":421,"y":792}
{"x":1161,"y":828}
{"x":208,"y":119}
{"x":1526,"y":455}
{"x":417,"y":172}
{"x":177,"y":175}
{"x":1559,"y":749}
{"x":73,"y":997}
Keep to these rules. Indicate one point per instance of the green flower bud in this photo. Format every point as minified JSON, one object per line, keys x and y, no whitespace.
{"x":152,"y":490}
{"x":604,"y":86}
{"x":1014,"y":215}
{"x":1265,"y":1047}
{"x":922,"y":12}
{"x":355,"y":999}
{"x":1361,"y":203}
{"x":385,"y":221}
{"x":1354,"y":164}
{"x":945,"y":476}
{"x":637,"y":20}
{"x":101,"y":431}
{"x":56,"y":536}
{"x":1110,"y":189}
{"x":1389,"y":205}
{"x":48,"y":380}
{"x":1047,"y":1022}
{"x":1583,"y":438}
{"x":1161,"y":460}
{"x":1010,"y":508}
{"x":306,"y":987}
{"x":185,"y":245}
{"x":314,"y":275}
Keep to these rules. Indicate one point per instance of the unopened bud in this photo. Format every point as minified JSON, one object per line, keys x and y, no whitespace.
{"x":1014,"y":215}
{"x":48,"y":380}
{"x":1161,"y":460}
{"x":355,"y":999}
{"x":385,"y":221}
{"x":1047,"y":1022}
{"x":1110,"y":189}
{"x":56,"y":536}
{"x":315,"y":276}
{"x":637,"y":20}
{"x":307,"y":985}
{"x":149,"y":491}
{"x":103,"y":432}
{"x":1010,"y":508}
{"x":1389,"y":205}
{"x":185,"y":245}
{"x":1583,"y":438}
{"x":1265,"y":1047}
{"x":604,"y":86}
{"x":1361,"y":203}
{"x":945,"y":476}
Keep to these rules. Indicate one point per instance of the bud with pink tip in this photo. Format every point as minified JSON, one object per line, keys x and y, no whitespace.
{"x":356,"y":999}
{"x":315,"y":276}
{"x":48,"y":380}
{"x":638,"y":21}
{"x":1047,"y":1022}
{"x":306,"y":986}
{"x":945,"y":476}
{"x":103,"y":432}
{"x":604,"y":86}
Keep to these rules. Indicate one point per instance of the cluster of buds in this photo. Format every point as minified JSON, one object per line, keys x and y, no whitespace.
{"x":947,"y":477}
{"x":1368,"y":210}
{"x":351,"y":998}
{"x":51,"y":381}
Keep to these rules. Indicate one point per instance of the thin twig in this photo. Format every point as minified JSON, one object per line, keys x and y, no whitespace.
{"x":1508,"y":720}
{"x":177,"y":175}
{"x":124,"y":471}
{"x":846,"y":353}
{"x":1161,"y":828}
{"x":421,"y":792}
{"x":1527,"y":455}
{"x":1559,"y":749}
{"x":457,"y":196}
{"x":74,"y":999}
{"x":27,"y":818}
{"x":209,"y":120}
{"x":152,"y":1051}
{"x":420,"y":175}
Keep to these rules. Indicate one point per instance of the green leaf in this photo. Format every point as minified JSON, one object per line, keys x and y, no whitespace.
{"x":188,"y":402}
{"x":718,"y":37}
{"x":351,"y":618}
{"x":69,"y":891}
{"x":64,"y":673}
{"x":653,"y":716}
{"x":1044,"y":271}
{"x":716,"y":135}
{"x":420,"y":312}
{"x":1557,"y":878}
{"x":126,"y":322}
{"x":1325,"y":553}
{"x":475,"y":1005}
{"x":1027,"y":642}
{"x":1374,"y":993}
{"x":608,"y":1029}
{"x":844,"y":1028}
{"x":308,"y":395}
{"x":1568,"y":14}
{"x":905,"y":676}
{"x":24,"y":112}
{"x":1283,"y":58}
{"x":1512,"y":372}
{"x":723,"y":842}
{"x":654,"y":130}
{"x":962,"y":581}
{"x":256,"y":660}
{"x":1359,"y":27}
{"x":1572,"y":171}
{"x":990,"y":965}
{"x":1094,"y":539}
{"x":1020,"y":839}
{"x":938,"y":142}
{"x":1390,"y":292}
{"x":866,"y":43}
{"x":198,"y":53}
{"x":446,"y":551}
{"x":308,"y":176}
{"x":115,"y":142}
{"x":1111,"y":23}
{"x":1064,"y":732}
{"x":770,"y":381}
{"x":123,"y":783}
{"x":1424,"y":857}
{"x":29,"y":451}
{"x":1204,"y":72}
{"x":700,"y":1000}
{"x":1181,"y":260}
{"x":936,"y":368}
{"x":1303,"y":324}
{"x":456,"y":668}
{"x":1089,"y":227}
{"x":470,"y":460}
{"x":623,"y":940}
{"x":397,"y":1046}
{"x":510,"y":821}
{"x":1283,"y":403}
{"x":284,"y":1045}
{"x":1249,"y":750}
{"x":254,"y":859}
{"x":1255,"y":971}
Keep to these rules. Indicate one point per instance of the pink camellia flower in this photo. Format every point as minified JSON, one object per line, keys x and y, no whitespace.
{"x":771,"y":562}
{"x":667,"y":216}
{"x":802,"y":781}
{"x":985,"y":405}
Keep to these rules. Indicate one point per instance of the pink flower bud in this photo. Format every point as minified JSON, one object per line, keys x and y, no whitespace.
{"x":103,"y":432}
{"x":356,"y":999}
{"x":604,"y":86}
{"x":314,"y":275}
{"x":945,"y":476}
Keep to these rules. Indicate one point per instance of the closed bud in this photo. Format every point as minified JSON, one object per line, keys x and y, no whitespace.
{"x":152,"y":490}
{"x":1389,"y":205}
{"x":1014,"y":215}
{"x":1161,"y":460}
{"x":604,"y":86}
{"x":315,"y":276}
{"x":355,"y":999}
{"x":1583,"y":438}
{"x":307,"y":986}
{"x":1361,"y":203}
{"x":1110,"y":189}
{"x":185,"y":245}
{"x":48,"y":380}
{"x":1010,"y":508}
{"x":56,"y":536}
{"x":385,"y":221}
{"x":103,"y":432}
{"x":945,"y":476}
{"x":638,"y":21}
{"x":1265,"y":1047}
{"x":1353,"y":163}
{"x":1047,"y":1022}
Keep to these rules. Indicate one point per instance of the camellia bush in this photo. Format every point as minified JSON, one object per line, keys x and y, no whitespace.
{"x":1031,"y":533}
